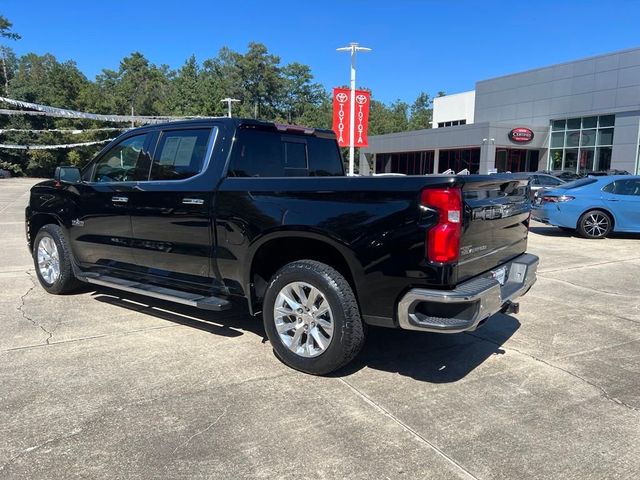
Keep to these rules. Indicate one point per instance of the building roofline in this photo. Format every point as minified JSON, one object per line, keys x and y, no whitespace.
{"x":454,"y":94}
{"x":568,"y":62}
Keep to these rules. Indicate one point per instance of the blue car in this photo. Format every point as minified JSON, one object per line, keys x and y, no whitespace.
{"x":594,"y":206}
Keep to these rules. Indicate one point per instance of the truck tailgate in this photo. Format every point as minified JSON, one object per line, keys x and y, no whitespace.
{"x":495,"y":225}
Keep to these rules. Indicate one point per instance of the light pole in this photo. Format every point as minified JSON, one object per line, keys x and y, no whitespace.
{"x":353,"y":48}
{"x":229,"y":101}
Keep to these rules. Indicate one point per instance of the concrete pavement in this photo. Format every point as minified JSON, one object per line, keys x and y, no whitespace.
{"x":108,"y":385}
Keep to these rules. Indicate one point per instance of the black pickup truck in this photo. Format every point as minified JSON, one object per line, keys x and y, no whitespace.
{"x":201,"y":212}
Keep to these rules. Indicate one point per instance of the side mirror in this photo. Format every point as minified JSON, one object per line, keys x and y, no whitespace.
{"x":67,"y":175}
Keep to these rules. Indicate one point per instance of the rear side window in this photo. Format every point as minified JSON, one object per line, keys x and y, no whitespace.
{"x":624,"y":187}
{"x":180,"y":154}
{"x":324,"y":157}
{"x":549,"y":181}
{"x":260,"y":153}
{"x":257,"y":154}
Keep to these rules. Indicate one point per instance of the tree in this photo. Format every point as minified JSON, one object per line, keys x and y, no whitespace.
{"x":261,"y":81}
{"x":186,"y":93}
{"x":42,"y":79}
{"x":140,"y":85}
{"x":421,"y":112}
{"x":7,"y":53}
{"x":388,"y":119}
{"x":299,"y":94}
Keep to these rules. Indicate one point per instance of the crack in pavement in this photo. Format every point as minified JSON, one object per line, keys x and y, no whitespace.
{"x":22,"y":453}
{"x":27,"y":317}
{"x":603,"y":292}
{"x":200,"y":432}
{"x":461,"y":470}
{"x":584,"y":307}
{"x":587,"y":266}
{"x":84,"y":426}
{"x":604,"y":392}
{"x":90,"y":337}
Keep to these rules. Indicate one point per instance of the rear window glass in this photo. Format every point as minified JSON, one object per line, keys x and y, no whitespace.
{"x":180,"y":154}
{"x":579,"y":183}
{"x":295,"y":155}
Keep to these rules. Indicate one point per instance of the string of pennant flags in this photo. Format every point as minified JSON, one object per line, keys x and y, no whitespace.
{"x":53,"y":147}
{"x":72,"y":131}
{"x":36,"y":109}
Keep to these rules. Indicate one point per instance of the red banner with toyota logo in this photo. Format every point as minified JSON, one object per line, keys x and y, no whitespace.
{"x":341,"y":118}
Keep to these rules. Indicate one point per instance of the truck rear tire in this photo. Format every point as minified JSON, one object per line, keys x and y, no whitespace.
{"x":52,"y":259}
{"x":312,"y":318}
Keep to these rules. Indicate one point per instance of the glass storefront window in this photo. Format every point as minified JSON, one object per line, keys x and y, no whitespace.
{"x":571,"y":159}
{"x":409,"y":163}
{"x":557,"y":140}
{"x":605,"y":136}
{"x":588,"y":138}
{"x":573,"y":123}
{"x":586,"y":158}
{"x":573,"y":144}
{"x":607,"y":120}
{"x":459,"y":159}
{"x":572,"y":139}
{"x":556,"y":158}
{"x":604,"y":158}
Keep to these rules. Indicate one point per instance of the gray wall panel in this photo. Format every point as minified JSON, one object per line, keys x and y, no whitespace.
{"x":629,"y":76}
{"x":607,"y":62}
{"x":563,"y":90}
{"x":628,"y":97}
{"x":629,"y":58}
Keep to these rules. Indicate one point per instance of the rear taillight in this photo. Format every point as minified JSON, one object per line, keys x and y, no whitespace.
{"x":443,"y":239}
{"x":556,"y":199}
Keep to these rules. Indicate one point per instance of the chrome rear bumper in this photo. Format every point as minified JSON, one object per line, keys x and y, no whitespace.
{"x":463,"y":308}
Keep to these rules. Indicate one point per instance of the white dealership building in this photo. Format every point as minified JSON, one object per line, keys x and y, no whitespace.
{"x":580,"y":116}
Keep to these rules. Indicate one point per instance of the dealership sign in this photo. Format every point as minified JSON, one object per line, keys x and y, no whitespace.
{"x":521,"y":135}
{"x":342,"y":117}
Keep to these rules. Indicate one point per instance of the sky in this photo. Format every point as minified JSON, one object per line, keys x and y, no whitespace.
{"x":416,"y":45}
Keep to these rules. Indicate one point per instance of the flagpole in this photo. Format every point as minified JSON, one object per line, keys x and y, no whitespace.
{"x":353,"y":48}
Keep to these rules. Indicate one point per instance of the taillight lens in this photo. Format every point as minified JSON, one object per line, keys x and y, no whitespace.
{"x":443,"y":239}
{"x":558,"y":199}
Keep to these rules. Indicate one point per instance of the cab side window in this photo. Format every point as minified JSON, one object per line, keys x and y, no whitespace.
{"x":263,"y":153}
{"x":180,"y":154}
{"x":125,"y":162}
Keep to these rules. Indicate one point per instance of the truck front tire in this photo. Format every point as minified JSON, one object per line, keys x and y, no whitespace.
{"x":52,"y":259}
{"x":312,"y":318}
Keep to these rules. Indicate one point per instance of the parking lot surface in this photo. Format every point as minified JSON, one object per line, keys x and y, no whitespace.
{"x":103,"y":384}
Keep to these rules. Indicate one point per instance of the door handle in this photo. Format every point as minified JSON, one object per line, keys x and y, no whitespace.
{"x":119,"y":199}
{"x":192,"y":201}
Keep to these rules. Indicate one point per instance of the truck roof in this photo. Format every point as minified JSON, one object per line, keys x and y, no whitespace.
{"x":238,"y":122}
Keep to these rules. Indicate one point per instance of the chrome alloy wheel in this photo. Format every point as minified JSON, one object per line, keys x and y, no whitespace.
{"x":596,"y":224}
{"x":48,"y":260}
{"x":303,"y":319}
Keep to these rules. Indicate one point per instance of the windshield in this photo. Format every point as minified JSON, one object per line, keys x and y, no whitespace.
{"x":578,"y":183}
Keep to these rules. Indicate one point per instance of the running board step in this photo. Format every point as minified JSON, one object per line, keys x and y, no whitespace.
{"x":177,"y":296}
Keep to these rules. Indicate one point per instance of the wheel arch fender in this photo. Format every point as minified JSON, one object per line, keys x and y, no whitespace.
{"x":38,"y":220}
{"x":601,"y":208}
{"x":283,"y":246}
